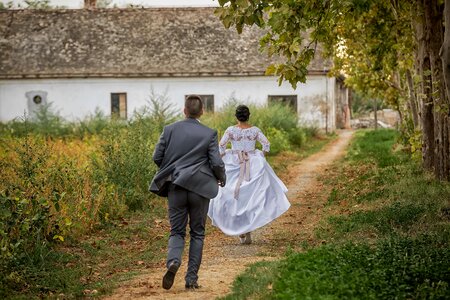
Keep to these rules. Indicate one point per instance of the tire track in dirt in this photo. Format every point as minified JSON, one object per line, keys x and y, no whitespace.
{"x":224,"y":258}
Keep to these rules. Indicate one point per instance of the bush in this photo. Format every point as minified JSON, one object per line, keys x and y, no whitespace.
{"x":277,"y":121}
{"x":54,"y":189}
{"x":125,"y":157}
{"x":297,"y":136}
{"x":279,"y":140}
{"x":125,"y":161}
{"x":46,"y":122}
{"x":29,"y":222}
{"x":92,"y":125}
{"x":275,"y":115}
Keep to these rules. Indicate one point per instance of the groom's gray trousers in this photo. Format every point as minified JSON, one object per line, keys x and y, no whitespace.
{"x":184,"y":205}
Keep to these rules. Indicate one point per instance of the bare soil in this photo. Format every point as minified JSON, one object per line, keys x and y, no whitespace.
{"x":224,"y":257}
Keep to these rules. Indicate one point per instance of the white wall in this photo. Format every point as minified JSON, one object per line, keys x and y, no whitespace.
{"x":77,"y":98}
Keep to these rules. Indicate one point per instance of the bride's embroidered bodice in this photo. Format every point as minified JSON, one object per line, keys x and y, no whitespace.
{"x":243,"y":139}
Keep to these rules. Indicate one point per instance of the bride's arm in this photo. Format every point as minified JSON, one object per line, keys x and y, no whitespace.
{"x":223,"y":142}
{"x":260,"y":137}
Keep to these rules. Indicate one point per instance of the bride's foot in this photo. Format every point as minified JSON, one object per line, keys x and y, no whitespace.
{"x":248,"y":238}
{"x":245,"y":238}
{"x":242,"y":238}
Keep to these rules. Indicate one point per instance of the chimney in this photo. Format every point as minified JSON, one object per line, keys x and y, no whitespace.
{"x":90,"y":3}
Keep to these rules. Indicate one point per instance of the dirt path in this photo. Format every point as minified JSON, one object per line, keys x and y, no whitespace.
{"x":224,"y":258}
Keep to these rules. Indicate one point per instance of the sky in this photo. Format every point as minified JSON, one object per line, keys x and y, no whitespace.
{"x":124,"y":3}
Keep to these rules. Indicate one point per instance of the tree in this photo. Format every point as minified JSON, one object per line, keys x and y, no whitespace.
{"x":387,"y":49}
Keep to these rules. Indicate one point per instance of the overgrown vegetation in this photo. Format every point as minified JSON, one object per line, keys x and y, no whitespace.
{"x":387,"y":234}
{"x":278,"y":122}
{"x":72,"y":193}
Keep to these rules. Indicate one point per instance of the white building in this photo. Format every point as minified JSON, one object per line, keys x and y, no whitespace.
{"x":110,"y":59}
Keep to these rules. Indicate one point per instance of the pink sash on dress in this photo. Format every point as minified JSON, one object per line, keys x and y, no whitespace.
{"x":244,"y":169}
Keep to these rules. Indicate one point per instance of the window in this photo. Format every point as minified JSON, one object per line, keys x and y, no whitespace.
{"x":119,"y":105}
{"x":37,"y":99}
{"x":290,"y":100}
{"x":208,"y":102}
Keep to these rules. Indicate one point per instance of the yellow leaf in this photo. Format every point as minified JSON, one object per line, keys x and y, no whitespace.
{"x":68,"y":222}
{"x":271,"y":70}
{"x":58,"y":237}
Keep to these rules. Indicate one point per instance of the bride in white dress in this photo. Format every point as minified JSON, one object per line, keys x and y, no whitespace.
{"x":253,"y":195}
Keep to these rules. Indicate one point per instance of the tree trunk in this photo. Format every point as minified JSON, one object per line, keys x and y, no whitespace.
{"x":433,"y":19}
{"x":445,"y":57}
{"x":412,"y":103}
{"x":445,"y":50}
{"x":424,"y":65}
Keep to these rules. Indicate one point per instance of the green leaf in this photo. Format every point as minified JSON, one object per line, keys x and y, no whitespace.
{"x":242,"y":3}
{"x":227,"y":21}
{"x":294,"y":48}
{"x":239,"y":27}
{"x":223,"y":2}
{"x":280,"y":80}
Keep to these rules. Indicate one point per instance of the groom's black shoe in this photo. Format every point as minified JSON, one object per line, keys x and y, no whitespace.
{"x":192,"y":285}
{"x":170,"y":275}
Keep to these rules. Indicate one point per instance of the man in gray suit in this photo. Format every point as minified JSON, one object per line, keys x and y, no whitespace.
{"x":190,"y":171}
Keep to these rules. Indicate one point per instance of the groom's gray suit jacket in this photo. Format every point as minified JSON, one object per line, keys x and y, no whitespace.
{"x":188,"y":156}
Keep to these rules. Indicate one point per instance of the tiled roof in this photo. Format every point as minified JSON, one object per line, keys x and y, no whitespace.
{"x":127,"y":43}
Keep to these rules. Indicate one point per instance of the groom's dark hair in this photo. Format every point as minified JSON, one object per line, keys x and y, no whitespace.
{"x":194,"y":106}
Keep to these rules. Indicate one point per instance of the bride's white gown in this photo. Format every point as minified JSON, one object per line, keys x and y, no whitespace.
{"x":253,"y":195}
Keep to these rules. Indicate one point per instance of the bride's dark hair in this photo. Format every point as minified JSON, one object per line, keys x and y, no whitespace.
{"x":242,"y":113}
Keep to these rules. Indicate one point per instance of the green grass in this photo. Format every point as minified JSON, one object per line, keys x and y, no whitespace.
{"x":394,"y":269}
{"x":374,"y":146}
{"x":392,"y":218}
{"x":256,"y":282}
{"x":386,"y":234}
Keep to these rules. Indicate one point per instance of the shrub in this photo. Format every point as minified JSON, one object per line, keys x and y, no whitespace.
{"x":277,"y":121}
{"x":297,"y":136}
{"x":125,"y":156}
{"x":275,"y":115}
{"x":223,"y":118}
{"x":27,"y":220}
{"x":125,"y":161}
{"x":279,"y":140}
{"x":92,"y":125}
